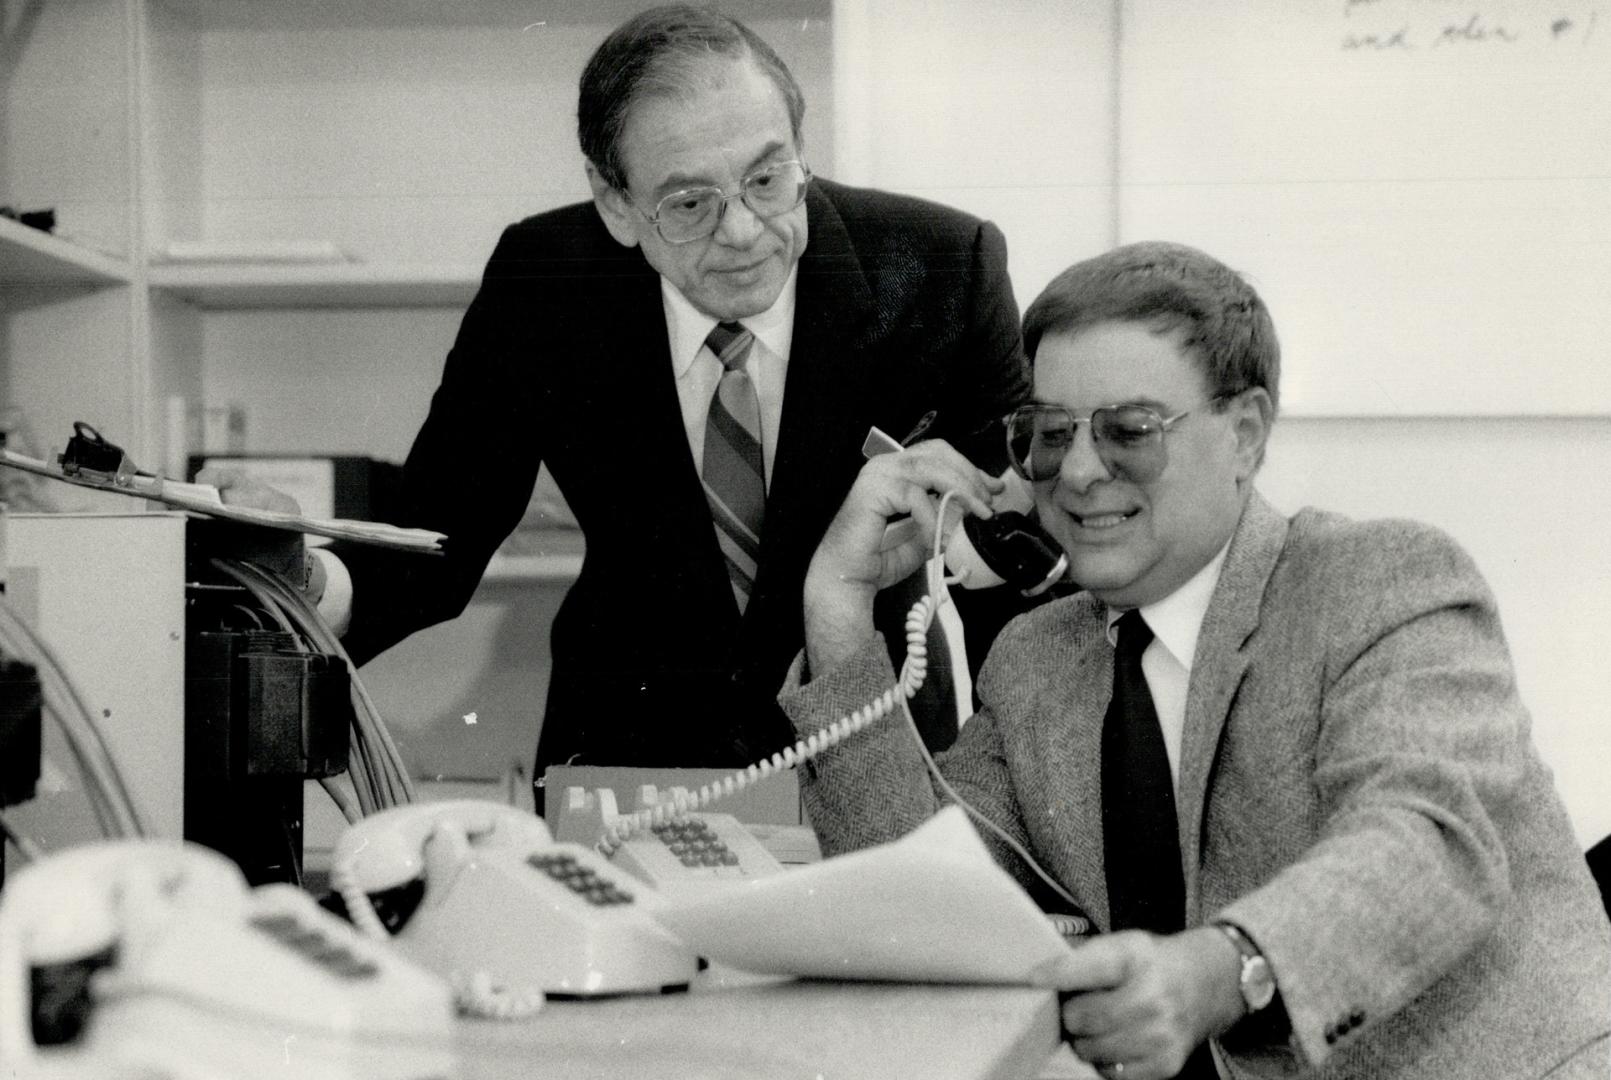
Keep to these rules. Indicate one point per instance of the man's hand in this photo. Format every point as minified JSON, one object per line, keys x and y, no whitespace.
{"x":1144,"y":1002}
{"x":235,"y":488}
{"x":860,"y":553}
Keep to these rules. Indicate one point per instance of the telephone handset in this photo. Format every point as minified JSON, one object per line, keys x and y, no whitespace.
{"x":1009,"y":547}
{"x":498,"y":907}
{"x":133,"y":957}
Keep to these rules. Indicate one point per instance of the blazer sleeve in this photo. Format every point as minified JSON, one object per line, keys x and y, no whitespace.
{"x":874,"y":786}
{"x":471,"y":469}
{"x":1420,"y":759}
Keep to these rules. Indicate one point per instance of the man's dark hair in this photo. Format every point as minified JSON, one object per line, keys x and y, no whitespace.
{"x":662,"y":51}
{"x":1170,"y":287}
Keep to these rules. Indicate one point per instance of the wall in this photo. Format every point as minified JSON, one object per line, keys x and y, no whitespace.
{"x":1428,"y":225}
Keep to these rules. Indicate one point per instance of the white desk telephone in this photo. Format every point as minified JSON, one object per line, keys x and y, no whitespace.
{"x":150,"y":958}
{"x":686,"y":851}
{"x":505,"y":912}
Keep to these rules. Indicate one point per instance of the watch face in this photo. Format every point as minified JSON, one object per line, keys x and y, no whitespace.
{"x":1258,"y":984}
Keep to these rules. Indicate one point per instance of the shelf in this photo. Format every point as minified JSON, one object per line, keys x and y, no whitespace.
{"x":30,"y":256}
{"x":327,"y":14}
{"x":223,"y":286}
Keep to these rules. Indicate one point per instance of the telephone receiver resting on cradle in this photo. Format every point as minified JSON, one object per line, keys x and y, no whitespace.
{"x":142,"y":957}
{"x":502,"y":910}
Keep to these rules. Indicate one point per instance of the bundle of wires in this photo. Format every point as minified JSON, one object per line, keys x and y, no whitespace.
{"x":375,"y":768}
{"x":108,"y":797}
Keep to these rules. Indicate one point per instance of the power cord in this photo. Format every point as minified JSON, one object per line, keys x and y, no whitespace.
{"x":108,"y":796}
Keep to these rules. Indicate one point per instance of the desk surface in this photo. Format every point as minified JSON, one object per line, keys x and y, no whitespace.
{"x":779,"y":1030}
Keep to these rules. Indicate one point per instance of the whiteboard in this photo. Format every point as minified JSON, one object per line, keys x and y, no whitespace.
{"x":1420,"y":189}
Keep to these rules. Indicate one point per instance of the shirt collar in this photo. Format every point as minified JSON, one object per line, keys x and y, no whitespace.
{"x":687,"y":327}
{"x":1177,"y":619}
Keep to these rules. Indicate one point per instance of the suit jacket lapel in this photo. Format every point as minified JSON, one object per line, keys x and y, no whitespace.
{"x":1065,"y":717}
{"x":832,"y":313}
{"x":1219,"y":666}
{"x":640,"y":373}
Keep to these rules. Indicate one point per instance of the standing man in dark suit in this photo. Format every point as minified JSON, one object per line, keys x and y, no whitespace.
{"x":588,"y":348}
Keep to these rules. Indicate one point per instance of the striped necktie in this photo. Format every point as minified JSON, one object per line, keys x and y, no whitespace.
{"x":734,"y":469}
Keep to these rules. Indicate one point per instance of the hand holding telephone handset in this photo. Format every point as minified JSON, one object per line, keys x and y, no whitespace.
{"x":482,"y":894}
{"x":1006,"y":548}
{"x":141,"y":957}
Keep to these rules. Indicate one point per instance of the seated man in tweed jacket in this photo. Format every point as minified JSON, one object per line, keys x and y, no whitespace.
{"x":1370,"y":873}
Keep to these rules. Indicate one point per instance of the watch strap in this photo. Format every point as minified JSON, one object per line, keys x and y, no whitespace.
{"x":1256,"y":981}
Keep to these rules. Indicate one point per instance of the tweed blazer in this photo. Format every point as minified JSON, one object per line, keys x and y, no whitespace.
{"x":1358,"y":790}
{"x":902,"y":308}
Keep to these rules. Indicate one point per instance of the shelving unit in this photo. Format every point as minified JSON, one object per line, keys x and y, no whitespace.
{"x":404,"y":133}
{"x":239,"y":287}
{"x":29,"y":256}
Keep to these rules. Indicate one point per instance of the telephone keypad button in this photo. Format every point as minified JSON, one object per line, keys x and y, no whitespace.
{"x":584,"y":881}
{"x":313,"y":944}
{"x":695,"y":844}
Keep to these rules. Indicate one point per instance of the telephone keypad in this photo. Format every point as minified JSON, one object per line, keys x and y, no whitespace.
{"x":315,"y":945}
{"x":584,"y":881}
{"x":695,"y":843}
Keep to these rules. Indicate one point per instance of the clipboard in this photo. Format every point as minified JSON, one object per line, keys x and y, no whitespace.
{"x":91,"y":461}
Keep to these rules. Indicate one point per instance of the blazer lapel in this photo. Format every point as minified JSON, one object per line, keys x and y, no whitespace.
{"x":1074,"y":739}
{"x":1219,"y":666}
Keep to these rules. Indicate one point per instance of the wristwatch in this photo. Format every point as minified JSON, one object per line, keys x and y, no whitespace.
{"x":1256,"y":981}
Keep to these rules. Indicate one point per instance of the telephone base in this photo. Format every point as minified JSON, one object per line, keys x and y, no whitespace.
{"x":588,"y":934}
{"x":693,"y":850}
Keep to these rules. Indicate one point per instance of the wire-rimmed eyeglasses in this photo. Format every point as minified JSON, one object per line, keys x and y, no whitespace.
{"x":695,"y":213}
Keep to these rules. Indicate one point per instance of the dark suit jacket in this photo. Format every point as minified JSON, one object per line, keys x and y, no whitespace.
{"x":902,"y":307}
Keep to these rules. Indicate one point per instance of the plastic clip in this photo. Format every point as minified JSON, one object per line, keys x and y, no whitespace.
{"x":91,"y":457}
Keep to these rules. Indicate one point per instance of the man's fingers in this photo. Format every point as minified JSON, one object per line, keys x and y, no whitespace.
{"x":937,"y":467}
{"x":1101,"y":963}
{"x":235,"y":488}
{"x":897,"y":533}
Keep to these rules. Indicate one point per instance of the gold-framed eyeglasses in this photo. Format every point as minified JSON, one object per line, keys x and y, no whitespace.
{"x":1128,"y":438}
{"x":695,"y":213}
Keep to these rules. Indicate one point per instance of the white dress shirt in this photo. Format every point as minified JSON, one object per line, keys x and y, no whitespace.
{"x":698,"y":371}
{"x":1176,"y":620}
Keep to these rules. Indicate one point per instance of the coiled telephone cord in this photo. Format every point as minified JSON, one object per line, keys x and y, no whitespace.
{"x":913,"y":671}
{"x":474,"y":994}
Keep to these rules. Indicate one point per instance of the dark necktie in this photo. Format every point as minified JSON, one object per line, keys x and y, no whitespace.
{"x":1140,"y":837}
{"x":734,"y":471}
{"x":1140,"y":833}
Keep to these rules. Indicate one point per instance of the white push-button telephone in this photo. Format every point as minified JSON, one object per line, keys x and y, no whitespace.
{"x":684,"y":851}
{"x":482,"y":894}
{"x":136,"y":958}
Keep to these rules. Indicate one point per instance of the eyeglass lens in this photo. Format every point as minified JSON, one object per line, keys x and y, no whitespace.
{"x":693,"y":214}
{"x":1128,"y":439}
